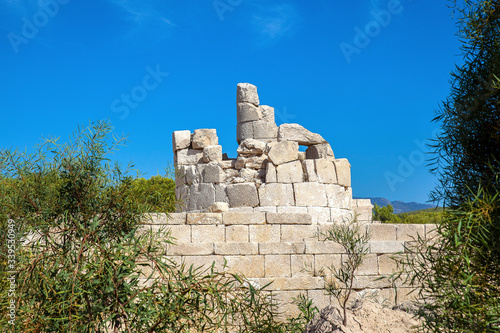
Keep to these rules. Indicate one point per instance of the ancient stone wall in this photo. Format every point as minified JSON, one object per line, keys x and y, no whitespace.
{"x":270,"y":174}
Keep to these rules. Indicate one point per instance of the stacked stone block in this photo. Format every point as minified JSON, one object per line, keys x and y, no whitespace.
{"x":283,"y":248}
{"x":270,"y":174}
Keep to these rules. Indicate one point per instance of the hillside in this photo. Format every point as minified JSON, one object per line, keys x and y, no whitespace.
{"x":399,"y":206}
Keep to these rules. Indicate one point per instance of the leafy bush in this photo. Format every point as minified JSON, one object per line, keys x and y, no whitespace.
{"x":385,"y":215}
{"x":156,"y":193}
{"x":85,"y":263}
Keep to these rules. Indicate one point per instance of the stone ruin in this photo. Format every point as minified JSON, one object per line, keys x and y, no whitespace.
{"x":270,"y":173}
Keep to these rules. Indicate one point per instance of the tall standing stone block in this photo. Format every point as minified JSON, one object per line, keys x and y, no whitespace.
{"x":244,"y":131}
{"x":181,"y":140}
{"x":247,"y":93}
{"x":243,"y":195}
{"x":283,"y":152}
{"x":248,"y":112}
{"x":343,"y":168}
{"x":205,"y":137}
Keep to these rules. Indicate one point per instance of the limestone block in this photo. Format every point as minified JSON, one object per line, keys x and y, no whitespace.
{"x":240,"y":163}
{"x":363,"y":209}
{"x":341,"y":215}
{"x":319,"y":214}
{"x":205,"y":137}
{"x":188,"y":156}
{"x":310,"y":194}
{"x":242,"y":195}
{"x":267,"y":113}
{"x":218,"y":207}
{"x":288,"y":218}
{"x":264,"y":233}
{"x":247,"y":93}
{"x":239,"y":218}
{"x":220,"y":193}
{"x":163,"y":219}
{"x":181,"y":233}
{"x":204,"y":218}
{"x":201,"y":196}
{"x":256,"y":162}
{"x":241,"y":210}
{"x":251,"y":266}
{"x":190,"y":249}
{"x":212,"y":154}
{"x":277,"y":266}
{"x":244,"y":131}
{"x":251,"y":147}
{"x":325,"y":169}
{"x":265,"y":209}
{"x":291,"y":209}
{"x":320,"y":247}
{"x":369,"y":266}
{"x":182,"y":197}
{"x":367,"y":281}
{"x":181,"y":140}
{"x":322,"y":263}
{"x":290,"y":172}
{"x":298,"y":233}
{"x":297,"y":133}
{"x":207,"y":234}
{"x":293,"y":283}
{"x":302,"y":155}
{"x":283,"y":152}
{"x":236,"y":248}
{"x":227,"y":164}
{"x":248,"y":174}
{"x":237,"y":233}
{"x":300,"y":264}
{"x":248,"y":112}
{"x":282,"y":248}
{"x":410,"y":232}
{"x":382,"y":232}
{"x":338,"y":196}
{"x":323,"y":150}
{"x":320,"y":298}
{"x":271,"y":173}
{"x":213,"y":173}
{"x":203,"y":261}
{"x":386,"y":246}
{"x":188,"y":174}
{"x":343,"y":168}
{"x":309,"y":171}
{"x":387,"y":264}
{"x":264,"y":130}
{"x":275,"y":194}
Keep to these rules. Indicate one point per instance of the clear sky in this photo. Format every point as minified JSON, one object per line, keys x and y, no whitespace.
{"x":367,"y":75}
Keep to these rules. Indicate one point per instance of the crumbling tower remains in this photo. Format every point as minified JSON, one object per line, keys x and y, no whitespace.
{"x":270,"y":174}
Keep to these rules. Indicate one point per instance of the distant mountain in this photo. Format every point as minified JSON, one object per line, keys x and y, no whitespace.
{"x":399,"y":206}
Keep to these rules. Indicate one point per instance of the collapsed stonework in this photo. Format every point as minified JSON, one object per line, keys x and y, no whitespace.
{"x":270,"y":174}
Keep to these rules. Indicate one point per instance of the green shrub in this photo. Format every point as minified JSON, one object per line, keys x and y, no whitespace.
{"x":156,"y":193}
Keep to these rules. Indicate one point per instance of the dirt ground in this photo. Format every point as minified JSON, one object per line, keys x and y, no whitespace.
{"x":366,"y":316}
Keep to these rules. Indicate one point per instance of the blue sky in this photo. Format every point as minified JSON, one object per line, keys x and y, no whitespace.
{"x":367,"y":75}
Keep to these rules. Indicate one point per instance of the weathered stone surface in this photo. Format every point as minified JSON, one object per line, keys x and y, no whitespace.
{"x":181,"y":140}
{"x":204,"y":218}
{"x":298,"y":233}
{"x":323,"y":150}
{"x":212,"y":154}
{"x":248,"y":112}
{"x":338,"y":196}
{"x":282,"y":248}
{"x":162,"y":218}
{"x":219,"y":207}
{"x":248,"y":174}
{"x":201,"y":196}
{"x":187,"y":174}
{"x":382,"y":232}
{"x":302,"y":155}
{"x":288,"y":218}
{"x":182,"y":197}
{"x":325,"y":169}
{"x":247,"y":265}
{"x":410,"y":232}
{"x":297,"y":133}
{"x":205,"y":137}
{"x":188,"y":249}
{"x":275,"y":194}
{"x":237,"y":218}
{"x":309,"y":171}
{"x":310,"y":194}
{"x":181,"y":233}
{"x":237,"y":248}
{"x":264,"y":233}
{"x":290,"y":172}
{"x":256,"y":162}
{"x":264,"y":130}
{"x":189,"y":156}
{"x":291,"y":209}
{"x":242,"y":195}
{"x":300,"y":263}
{"x":386,"y":246}
{"x":277,"y":265}
{"x":220,"y":193}
{"x":247,"y":93}
{"x":237,"y":233}
{"x":213,"y":173}
{"x":343,"y":168}
{"x":319,"y":214}
{"x":271,"y":173}
{"x":207,"y":234}
{"x":267,"y":113}
{"x":227,"y":163}
{"x":283,"y":152}
{"x":341,"y":215}
{"x":363,"y":209}
{"x":244,"y":131}
{"x":251,"y":147}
